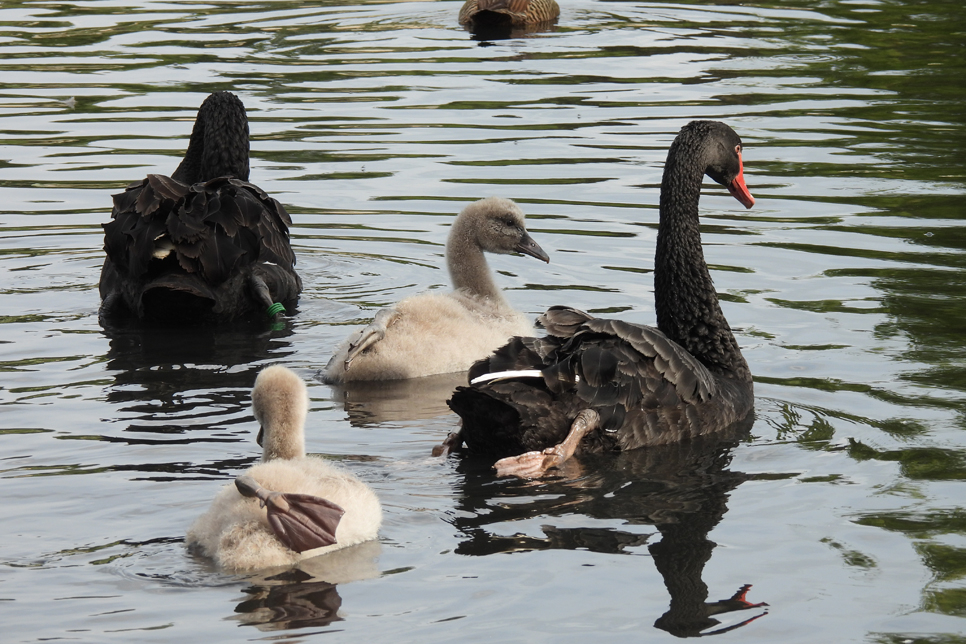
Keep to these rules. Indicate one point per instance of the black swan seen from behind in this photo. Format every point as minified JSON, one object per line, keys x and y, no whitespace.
{"x":202,"y":245}
{"x":602,"y":384}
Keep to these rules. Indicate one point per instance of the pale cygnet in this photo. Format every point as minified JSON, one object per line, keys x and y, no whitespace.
{"x":235,"y":531}
{"x":433,"y":333}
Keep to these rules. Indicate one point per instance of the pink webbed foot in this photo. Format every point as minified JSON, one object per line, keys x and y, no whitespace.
{"x":535,"y":464}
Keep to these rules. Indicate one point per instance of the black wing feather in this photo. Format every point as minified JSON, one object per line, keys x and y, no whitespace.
{"x":647,"y":389}
{"x":214,"y":234}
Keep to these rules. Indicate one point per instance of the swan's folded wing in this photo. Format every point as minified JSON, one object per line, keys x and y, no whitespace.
{"x":607,"y":363}
{"x":130,"y":236}
{"x":691,"y":379}
{"x":271,"y":223}
{"x":157,"y":191}
{"x":563,"y":321}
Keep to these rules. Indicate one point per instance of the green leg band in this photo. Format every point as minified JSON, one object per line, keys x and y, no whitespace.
{"x":275,"y":308}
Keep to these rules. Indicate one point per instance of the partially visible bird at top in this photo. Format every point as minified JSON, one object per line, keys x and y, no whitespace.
{"x":503,"y":18}
{"x":202,"y":245}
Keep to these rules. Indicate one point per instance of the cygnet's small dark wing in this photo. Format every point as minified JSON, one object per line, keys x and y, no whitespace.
{"x":300,"y":521}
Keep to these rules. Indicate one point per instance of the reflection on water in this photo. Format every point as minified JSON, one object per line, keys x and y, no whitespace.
{"x":298,"y":604}
{"x":294,"y":605}
{"x":681,"y":490}
{"x":307,"y":594}
{"x":486,"y":33}
{"x":393,"y":401}
{"x":145,"y":357}
{"x":183,"y":386}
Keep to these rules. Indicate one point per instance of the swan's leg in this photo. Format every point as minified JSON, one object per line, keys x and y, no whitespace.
{"x":534,"y":464}
{"x":450,"y":444}
{"x":263,"y":295}
{"x":373,"y":333}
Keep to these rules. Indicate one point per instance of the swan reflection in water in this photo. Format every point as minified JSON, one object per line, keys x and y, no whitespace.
{"x":306,"y":595}
{"x":173,"y":386}
{"x":681,"y":489}
{"x":157,"y":365}
{"x":203,"y":357}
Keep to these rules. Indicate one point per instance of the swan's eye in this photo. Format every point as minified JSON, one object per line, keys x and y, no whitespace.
{"x":738,"y":149}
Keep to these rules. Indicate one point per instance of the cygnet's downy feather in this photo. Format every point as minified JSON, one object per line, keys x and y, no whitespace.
{"x":434,"y":333}
{"x":235,"y":531}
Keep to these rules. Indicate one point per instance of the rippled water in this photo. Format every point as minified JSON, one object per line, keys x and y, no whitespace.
{"x":374,"y":123}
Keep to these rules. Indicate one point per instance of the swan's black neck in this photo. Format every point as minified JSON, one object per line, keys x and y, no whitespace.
{"x":219,"y":142}
{"x":687,"y":305}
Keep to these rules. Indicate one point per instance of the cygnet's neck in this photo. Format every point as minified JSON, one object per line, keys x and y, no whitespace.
{"x":285,"y":439}
{"x":468,"y":269}
{"x":280,"y":402}
{"x":281,"y":411}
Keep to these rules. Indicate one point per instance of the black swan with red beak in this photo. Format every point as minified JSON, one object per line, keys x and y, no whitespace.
{"x":596,"y":384}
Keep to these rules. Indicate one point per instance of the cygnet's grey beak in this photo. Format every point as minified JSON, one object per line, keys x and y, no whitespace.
{"x":260,"y":437}
{"x":529,"y":247}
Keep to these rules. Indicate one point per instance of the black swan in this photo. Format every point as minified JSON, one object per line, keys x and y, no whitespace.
{"x":202,"y":245}
{"x":434,"y":333}
{"x":604,"y":384}
{"x":240,"y":534}
{"x":506,"y":16}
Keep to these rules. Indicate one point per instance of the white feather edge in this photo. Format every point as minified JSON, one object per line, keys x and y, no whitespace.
{"x":508,"y":375}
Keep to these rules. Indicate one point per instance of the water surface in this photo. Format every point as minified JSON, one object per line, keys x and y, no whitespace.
{"x":374,"y":123}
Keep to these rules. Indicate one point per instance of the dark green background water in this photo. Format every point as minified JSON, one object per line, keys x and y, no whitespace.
{"x":375,"y":123}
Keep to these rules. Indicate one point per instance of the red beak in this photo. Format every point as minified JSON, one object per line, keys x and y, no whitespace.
{"x":738,"y":189}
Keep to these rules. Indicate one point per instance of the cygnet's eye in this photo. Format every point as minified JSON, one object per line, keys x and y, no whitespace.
{"x":509,"y":222}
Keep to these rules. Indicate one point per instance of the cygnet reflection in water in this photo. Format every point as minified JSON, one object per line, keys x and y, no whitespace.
{"x":306,"y":595}
{"x":394,"y":401}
